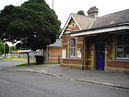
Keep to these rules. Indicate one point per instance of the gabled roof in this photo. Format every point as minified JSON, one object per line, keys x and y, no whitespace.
{"x":93,"y":31}
{"x":109,"y":23}
{"x":56,"y":44}
{"x":112,"y":19}
{"x":82,"y":21}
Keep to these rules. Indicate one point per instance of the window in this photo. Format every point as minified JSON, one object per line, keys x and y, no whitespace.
{"x":123,"y":46}
{"x":72,"y":47}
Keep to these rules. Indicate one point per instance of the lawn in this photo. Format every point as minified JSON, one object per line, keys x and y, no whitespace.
{"x":25,"y":64}
{"x":13,"y":58}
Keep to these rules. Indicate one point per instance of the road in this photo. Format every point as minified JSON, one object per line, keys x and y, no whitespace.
{"x":27,"y":84}
{"x":10,"y":63}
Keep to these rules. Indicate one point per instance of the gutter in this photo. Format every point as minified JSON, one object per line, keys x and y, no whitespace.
{"x":100,"y":30}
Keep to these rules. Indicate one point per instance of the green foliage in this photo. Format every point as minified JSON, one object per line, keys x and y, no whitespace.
{"x":81,"y":12}
{"x":14,"y":58}
{"x":22,"y":65}
{"x":2,"y":45}
{"x":1,"y":48}
{"x":33,"y":23}
{"x":12,"y":49}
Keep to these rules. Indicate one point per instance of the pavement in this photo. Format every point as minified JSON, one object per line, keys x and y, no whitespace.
{"x":118,"y":80}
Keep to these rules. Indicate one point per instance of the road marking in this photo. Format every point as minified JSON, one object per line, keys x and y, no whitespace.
{"x":4,"y":81}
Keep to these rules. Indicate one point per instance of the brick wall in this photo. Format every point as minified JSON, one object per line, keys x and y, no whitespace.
{"x":54,"y":54}
{"x":89,"y":54}
{"x":72,"y":61}
{"x":114,"y":66}
{"x":72,"y":26}
{"x":119,"y":64}
{"x":65,"y":38}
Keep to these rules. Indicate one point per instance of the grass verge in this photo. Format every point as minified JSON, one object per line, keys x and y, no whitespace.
{"x":25,"y":64}
{"x":14,"y":58}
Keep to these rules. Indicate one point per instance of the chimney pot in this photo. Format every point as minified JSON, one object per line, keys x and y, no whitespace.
{"x":93,"y":11}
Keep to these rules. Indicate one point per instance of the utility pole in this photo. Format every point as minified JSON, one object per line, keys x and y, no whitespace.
{"x":53,"y":4}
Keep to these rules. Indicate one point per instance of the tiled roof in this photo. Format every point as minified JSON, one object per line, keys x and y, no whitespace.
{"x":87,"y":23}
{"x":56,"y":44}
{"x":83,"y":20}
{"x":112,"y":19}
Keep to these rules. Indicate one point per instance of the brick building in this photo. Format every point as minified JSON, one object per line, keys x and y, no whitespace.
{"x":54,"y":52}
{"x":91,"y":42}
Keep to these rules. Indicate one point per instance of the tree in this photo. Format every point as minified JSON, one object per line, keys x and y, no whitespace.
{"x":33,"y":23}
{"x":12,"y":49}
{"x":81,"y":12}
{"x":3,"y":47}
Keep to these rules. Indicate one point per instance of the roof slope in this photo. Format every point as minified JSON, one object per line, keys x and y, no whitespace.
{"x":83,"y":21}
{"x":112,"y":19}
{"x":56,"y":44}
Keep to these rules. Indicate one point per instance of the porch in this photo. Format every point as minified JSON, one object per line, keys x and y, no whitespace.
{"x":107,"y":51}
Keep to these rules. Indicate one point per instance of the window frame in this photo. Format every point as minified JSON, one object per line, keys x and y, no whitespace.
{"x":122,"y":46}
{"x":73,"y":47}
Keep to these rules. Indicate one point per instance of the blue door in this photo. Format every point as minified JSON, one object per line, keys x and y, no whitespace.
{"x":100,"y":56}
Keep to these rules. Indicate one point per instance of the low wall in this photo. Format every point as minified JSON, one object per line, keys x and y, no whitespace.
{"x":73,"y":63}
{"x":118,"y":67}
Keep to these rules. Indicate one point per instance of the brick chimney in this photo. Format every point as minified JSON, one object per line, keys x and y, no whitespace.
{"x":93,"y":11}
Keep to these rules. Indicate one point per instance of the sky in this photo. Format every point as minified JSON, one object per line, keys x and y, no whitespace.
{"x":63,"y":8}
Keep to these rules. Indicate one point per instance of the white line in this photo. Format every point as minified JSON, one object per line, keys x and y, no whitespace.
{"x":4,"y":81}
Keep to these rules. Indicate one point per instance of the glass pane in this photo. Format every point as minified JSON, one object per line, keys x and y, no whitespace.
{"x":120,"y":40}
{"x":126,"y":51}
{"x":123,"y":46}
{"x":72,"y":47}
{"x":120,"y":52}
{"x":126,"y":40}
{"x":120,"y":49}
{"x":72,"y":42}
{"x":72,"y":52}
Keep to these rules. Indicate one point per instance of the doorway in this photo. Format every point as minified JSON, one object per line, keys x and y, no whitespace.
{"x":100,"y":56}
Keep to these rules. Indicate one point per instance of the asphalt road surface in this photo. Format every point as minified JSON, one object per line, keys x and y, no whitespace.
{"x":27,"y":84}
{"x":10,"y":63}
